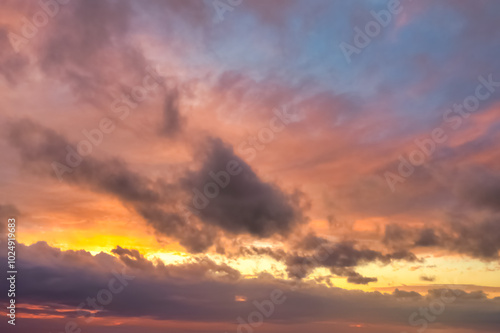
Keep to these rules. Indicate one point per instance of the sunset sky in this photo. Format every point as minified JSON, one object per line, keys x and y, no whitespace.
{"x":251,"y":165}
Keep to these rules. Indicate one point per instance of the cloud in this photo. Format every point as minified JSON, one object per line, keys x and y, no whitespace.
{"x":172,"y":119}
{"x":461,"y":295}
{"x":427,"y":278}
{"x":477,"y":239}
{"x":247,"y":205}
{"x":64,"y":279}
{"x":476,"y":236}
{"x":427,"y":237}
{"x":244,"y":203}
{"x":356,"y":278}
{"x":395,"y":236}
{"x":39,"y":147}
{"x":311,"y":252}
{"x":7,"y":211}
{"x":339,"y":258}
{"x":405,"y":294}
{"x":12,"y":64}
{"x":479,"y":187}
{"x":194,"y":269}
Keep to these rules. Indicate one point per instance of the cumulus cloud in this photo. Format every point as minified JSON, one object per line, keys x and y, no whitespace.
{"x":244,"y":203}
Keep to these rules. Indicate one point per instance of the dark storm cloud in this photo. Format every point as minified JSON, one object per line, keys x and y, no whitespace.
{"x":194,"y":292}
{"x":245,"y":203}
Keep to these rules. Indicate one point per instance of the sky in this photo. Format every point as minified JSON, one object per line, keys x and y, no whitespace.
{"x":251,"y":165}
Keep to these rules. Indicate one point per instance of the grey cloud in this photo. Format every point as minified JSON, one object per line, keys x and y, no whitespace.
{"x":461,"y":234}
{"x":172,"y":119}
{"x":340,"y":258}
{"x":276,"y":254}
{"x":405,"y":294}
{"x":64,"y":279}
{"x":84,"y":47}
{"x":246,"y":204}
{"x":395,"y":236}
{"x":478,"y":239}
{"x":477,"y":295}
{"x":427,"y":278}
{"x":12,"y":64}
{"x":196,"y":268}
{"x":39,"y":147}
{"x":7,"y":211}
{"x":356,"y":278}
